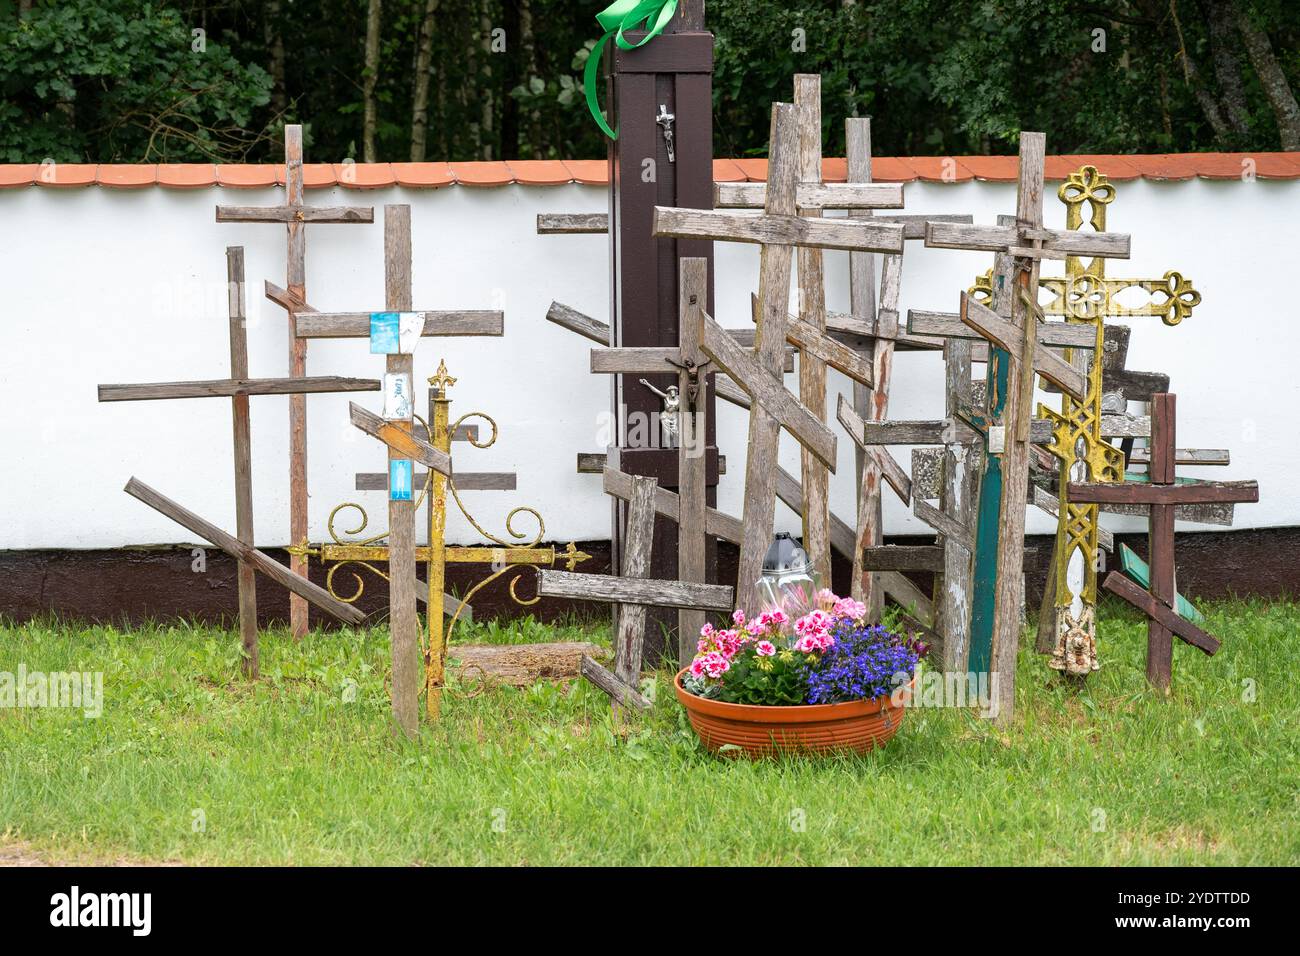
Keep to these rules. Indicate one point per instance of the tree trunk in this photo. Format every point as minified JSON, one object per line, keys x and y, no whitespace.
{"x":1271,"y":77}
{"x":1192,"y":77}
{"x":370,"y":79}
{"x":513,"y":72}
{"x":275,"y":63}
{"x":485,"y":88}
{"x":420,"y":94}
{"x":1225,"y":45}
{"x":528,"y":41}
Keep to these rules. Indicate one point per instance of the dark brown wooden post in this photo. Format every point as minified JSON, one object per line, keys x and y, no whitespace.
{"x":673,"y":71}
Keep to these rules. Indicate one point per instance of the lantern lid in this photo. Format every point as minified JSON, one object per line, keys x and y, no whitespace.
{"x":784,"y":555}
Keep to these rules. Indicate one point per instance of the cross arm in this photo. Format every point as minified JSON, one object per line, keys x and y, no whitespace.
{"x":356,"y":325}
{"x":225,"y":387}
{"x":1145,"y":493}
{"x":859,"y":235}
{"x":244,"y":552}
{"x":767,"y":391}
{"x":1071,"y":335}
{"x":813,"y":195}
{"x":616,"y":590}
{"x":1006,"y":336}
{"x":565,"y":223}
{"x":288,"y":214}
{"x":400,"y":440}
{"x":1057,"y":243}
{"x":1160,"y":612}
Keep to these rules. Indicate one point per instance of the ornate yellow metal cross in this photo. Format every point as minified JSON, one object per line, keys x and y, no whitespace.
{"x":505,"y":557}
{"x":1086,"y":295}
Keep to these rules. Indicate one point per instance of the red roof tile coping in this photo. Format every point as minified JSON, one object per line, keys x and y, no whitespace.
{"x":1171,"y":167}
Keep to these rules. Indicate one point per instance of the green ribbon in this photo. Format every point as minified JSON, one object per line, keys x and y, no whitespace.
{"x":615,"y":20}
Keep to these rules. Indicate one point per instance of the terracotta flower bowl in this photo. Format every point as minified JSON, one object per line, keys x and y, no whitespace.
{"x":856,"y":726}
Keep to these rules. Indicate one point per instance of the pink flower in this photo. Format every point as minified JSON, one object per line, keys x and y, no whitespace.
{"x":715,"y":665}
{"x":814,"y":622}
{"x":807,"y":644}
{"x":706,"y":631}
{"x":765,"y":649}
{"x":826,"y":599}
{"x":703,"y":646}
{"x":728,"y":643}
{"x":738,"y":618}
{"x":849,"y":608}
{"x":697,"y":667}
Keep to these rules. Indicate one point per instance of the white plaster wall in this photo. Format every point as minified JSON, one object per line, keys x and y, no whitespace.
{"x":103,"y":285}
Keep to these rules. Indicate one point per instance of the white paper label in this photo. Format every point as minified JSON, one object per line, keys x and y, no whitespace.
{"x":997,"y":439}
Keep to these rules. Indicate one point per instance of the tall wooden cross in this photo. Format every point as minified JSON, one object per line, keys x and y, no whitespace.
{"x":1012,"y":329}
{"x":294,"y":215}
{"x":238,"y":388}
{"x":759,"y":373}
{"x":1162,"y":492}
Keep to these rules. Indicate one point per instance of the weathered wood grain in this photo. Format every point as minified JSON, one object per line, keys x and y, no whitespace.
{"x":629,"y":627}
{"x":243,"y":454}
{"x":295,"y":214}
{"x":1142,"y":493}
{"x":356,"y":325}
{"x":811,"y":194}
{"x":242,"y":552}
{"x":778,"y":229}
{"x":563,"y":223}
{"x":519,"y":665}
{"x":1006,"y":335}
{"x":464,"y":481}
{"x":616,"y":590}
{"x":402,"y":441}
{"x":955,"y":235}
{"x":607,"y":681}
{"x":952,"y":530}
{"x":1160,"y":612}
{"x":224,"y":387}
{"x":950,"y":325}
{"x":764,"y":388}
{"x":880,"y":460}
{"x":954,"y":519}
{"x":667,"y":503}
{"x":570,"y":318}
{"x":903,"y":557}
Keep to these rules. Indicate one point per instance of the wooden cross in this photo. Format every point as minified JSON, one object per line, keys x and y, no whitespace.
{"x":1161,"y":493}
{"x":294,"y":215}
{"x":758,"y":373}
{"x":634,"y":591}
{"x":1012,"y":330}
{"x":238,"y":388}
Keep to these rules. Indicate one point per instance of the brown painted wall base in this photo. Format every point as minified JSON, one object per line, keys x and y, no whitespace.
{"x":133,"y":585}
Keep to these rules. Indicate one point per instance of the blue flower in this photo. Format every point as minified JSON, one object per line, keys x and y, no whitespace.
{"x":862,"y":665}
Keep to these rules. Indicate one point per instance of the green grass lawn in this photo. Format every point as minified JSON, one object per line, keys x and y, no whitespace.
{"x":302,"y":768}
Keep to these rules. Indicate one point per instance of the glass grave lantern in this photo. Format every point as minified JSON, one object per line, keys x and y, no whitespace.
{"x":789,"y":581}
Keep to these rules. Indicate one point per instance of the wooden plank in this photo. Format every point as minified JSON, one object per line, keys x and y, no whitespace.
{"x":629,"y":630}
{"x":763,"y":387}
{"x":956,"y":235}
{"x":647,"y":359}
{"x":1133,"y":492}
{"x":593,"y":463}
{"x":615,"y":590}
{"x":464,"y":481}
{"x":815,"y":344}
{"x":611,"y":685}
{"x":570,"y":318}
{"x":692,"y":470}
{"x":295,"y":268}
{"x":519,"y":665}
{"x":778,"y":229}
{"x":1186,"y":456}
{"x":563,"y":223}
{"x":403,"y":615}
{"x":809,"y":329}
{"x":1158,"y":611}
{"x":811,"y":194}
{"x":403,"y":442}
{"x":903,"y":557}
{"x":295,"y":214}
{"x":667,"y":503}
{"x":243,"y":455}
{"x":356,"y":325}
{"x":1005,"y":335}
{"x":945,"y":524}
{"x":1140,"y":572}
{"x":950,"y":325}
{"x":242,"y":552}
{"x":914,"y":224}
{"x":879,"y":459}
{"x":228,"y":388}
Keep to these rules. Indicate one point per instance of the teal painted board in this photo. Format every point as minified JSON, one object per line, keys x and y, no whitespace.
{"x":1138,"y":570}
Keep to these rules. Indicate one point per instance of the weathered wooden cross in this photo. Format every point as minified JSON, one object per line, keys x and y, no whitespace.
{"x":634,"y":590}
{"x":238,"y":388}
{"x":1012,"y":329}
{"x":1162,"y":492}
{"x":294,"y":215}
{"x":779,"y":231}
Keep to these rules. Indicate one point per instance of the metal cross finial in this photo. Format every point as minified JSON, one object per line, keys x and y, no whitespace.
{"x":665,"y":119}
{"x":441,"y":380}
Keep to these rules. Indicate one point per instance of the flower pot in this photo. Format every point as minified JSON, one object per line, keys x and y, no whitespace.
{"x":856,"y":726}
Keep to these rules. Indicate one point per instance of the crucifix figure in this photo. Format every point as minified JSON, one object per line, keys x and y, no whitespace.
{"x":759,"y":373}
{"x":1011,"y":327}
{"x":294,"y":215}
{"x":1162,"y":491}
{"x":238,"y":388}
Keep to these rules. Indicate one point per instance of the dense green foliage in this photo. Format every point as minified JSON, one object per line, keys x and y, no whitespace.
{"x":126,"y":80}
{"x":190,"y":762}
